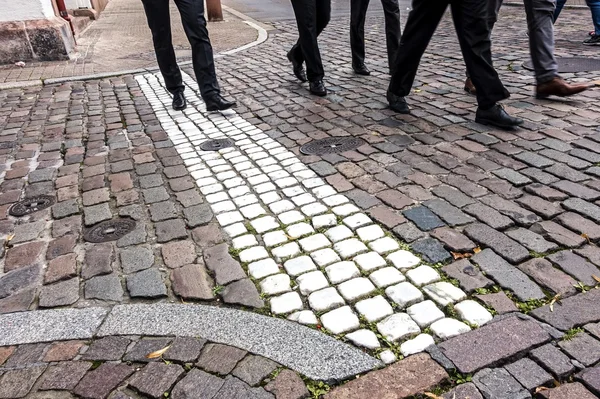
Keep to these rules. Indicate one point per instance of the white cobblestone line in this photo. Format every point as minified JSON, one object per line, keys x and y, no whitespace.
{"x":314,"y":253}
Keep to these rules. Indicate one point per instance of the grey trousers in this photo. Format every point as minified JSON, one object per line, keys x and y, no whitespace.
{"x":540,"y":17}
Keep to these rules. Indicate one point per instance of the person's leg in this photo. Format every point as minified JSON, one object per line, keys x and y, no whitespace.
{"x":541,"y":38}
{"x":393,"y":30}
{"x":306,"y":18}
{"x":422,"y":21}
{"x":472,"y":29}
{"x":194,"y":24}
{"x":159,"y":21}
{"x":323,"y":15}
{"x":594,"y":6}
{"x":358,"y":13}
{"x":559,"y":6}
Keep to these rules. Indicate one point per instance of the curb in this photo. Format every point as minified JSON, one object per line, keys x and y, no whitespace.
{"x":263,"y":35}
{"x":307,"y":351}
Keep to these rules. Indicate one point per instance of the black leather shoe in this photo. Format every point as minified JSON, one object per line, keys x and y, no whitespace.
{"x":179,"y":102}
{"x":318,"y":88}
{"x":397,"y":103}
{"x":497,"y":116}
{"x":298,"y":68}
{"x":361,"y":70}
{"x":218,"y":103}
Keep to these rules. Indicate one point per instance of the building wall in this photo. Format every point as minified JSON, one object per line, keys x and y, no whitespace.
{"x":24,"y":10}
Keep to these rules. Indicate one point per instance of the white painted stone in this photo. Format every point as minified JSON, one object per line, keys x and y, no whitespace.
{"x":342,"y":271}
{"x":447,"y":328}
{"x":299,"y":230}
{"x":286,"y":303}
{"x":397,"y":326}
{"x":252,"y":211}
{"x":423,"y":275}
{"x":404,"y":294}
{"x":305,"y":317}
{"x":245,"y":241}
{"x":223,"y":206}
{"x":225,"y":219}
{"x":325,"y":299}
{"x":311,"y":282}
{"x":403,"y":259}
{"x":239,"y":191}
{"x":274,"y":238}
{"x":286,"y":182}
{"x":299,"y":265}
{"x":303,"y":199}
{"x":370,"y":233}
{"x":387,"y":356}
{"x":258,"y":179}
{"x":235,"y":182}
{"x":270,"y":197}
{"x":384,"y":245}
{"x":356,"y":288}
{"x":444,"y":293}
{"x":416,"y":345}
{"x":357,"y":220}
{"x":276,"y":284}
{"x":364,"y":338}
{"x":281,"y":206}
{"x":285,"y":251}
{"x":339,"y":233}
{"x":370,"y":261}
{"x":314,"y":242}
{"x":324,"y":221}
{"x":324,"y":191}
{"x":340,"y":320}
{"x":374,"y":309}
{"x":324,"y":257}
{"x":386,"y":276}
{"x":473,"y":313}
{"x":343,"y":210}
{"x":206,"y":181}
{"x":311,"y":182}
{"x":262,"y":268}
{"x":244,"y":200}
{"x":293,"y":191}
{"x":349,"y":248}
{"x":265,"y":187}
{"x":424,"y":313}
{"x":264,"y":224}
{"x":253,"y":254}
{"x":314,"y":209}
{"x":218,"y":197}
{"x":236,"y":229}
{"x":290,"y":217}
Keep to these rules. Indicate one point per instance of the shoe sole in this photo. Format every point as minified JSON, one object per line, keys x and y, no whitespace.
{"x":361,"y":73}
{"x":179,"y":108}
{"x":320,"y":94}
{"x":300,"y":78}
{"x":403,"y":111}
{"x":488,"y":122}
{"x":591,"y":44}
{"x":213,"y":109}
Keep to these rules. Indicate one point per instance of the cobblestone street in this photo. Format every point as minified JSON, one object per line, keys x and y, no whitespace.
{"x":437,"y":256}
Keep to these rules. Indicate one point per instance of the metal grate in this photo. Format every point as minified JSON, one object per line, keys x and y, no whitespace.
{"x":110,"y":230}
{"x":572,"y":64}
{"x":331,"y":145}
{"x":31,"y":205}
{"x":216,"y":145}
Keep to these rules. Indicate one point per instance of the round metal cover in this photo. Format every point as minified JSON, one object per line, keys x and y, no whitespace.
{"x":109,"y":230}
{"x":331,"y":145}
{"x":30,"y":205}
{"x":572,"y":64}
{"x":216,"y":145}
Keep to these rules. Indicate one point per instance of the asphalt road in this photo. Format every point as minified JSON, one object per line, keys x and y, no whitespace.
{"x":280,"y":10}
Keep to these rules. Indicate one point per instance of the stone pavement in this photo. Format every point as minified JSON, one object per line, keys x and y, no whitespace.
{"x":120,"y":41}
{"x":435,"y":231}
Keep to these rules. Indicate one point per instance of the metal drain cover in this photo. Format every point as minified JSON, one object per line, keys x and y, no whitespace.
{"x":109,"y":230}
{"x":216,"y":145}
{"x":331,"y":145}
{"x":30,"y":205}
{"x":572,"y":64}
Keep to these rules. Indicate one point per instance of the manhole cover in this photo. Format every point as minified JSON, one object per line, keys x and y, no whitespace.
{"x":572,"y":64}
{"x":30,"y":205}
{"x":216,"y":145}
{"x":331,"y":145}
{"x":110,"y":230}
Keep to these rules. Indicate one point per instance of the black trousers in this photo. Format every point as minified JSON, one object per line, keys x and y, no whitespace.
{"x":470,"y":22}
{"x":358,"y":12}
{"x":312,"y":16}
{"x":194,"y":24}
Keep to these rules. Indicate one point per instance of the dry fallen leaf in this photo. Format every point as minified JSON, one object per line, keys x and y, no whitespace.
{"x":458,"y":255}
{"x":587,"y":238}
{"x":596,"y":278}
{"x":432,"y":396}
{"x":477,"y":250}
{"x":554,"y":299}
{"x":540,"y":389}
{"x":158,"y":353}
{"x":417,"y":90}
{"x":556,"y":383}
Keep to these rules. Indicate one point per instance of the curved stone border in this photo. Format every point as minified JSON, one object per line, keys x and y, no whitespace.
{"x":300,"y":348}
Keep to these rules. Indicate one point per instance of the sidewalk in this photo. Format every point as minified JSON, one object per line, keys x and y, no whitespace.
{"x":420,"y":253}
{"x":120,"y":40}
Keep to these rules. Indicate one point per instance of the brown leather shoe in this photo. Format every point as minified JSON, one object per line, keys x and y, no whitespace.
{"x":559,"y":87}
{"x":470,"y":87}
